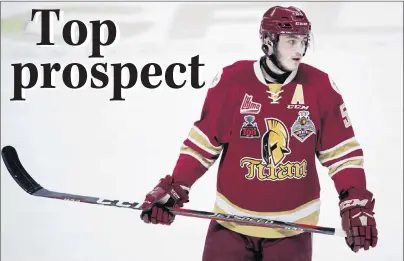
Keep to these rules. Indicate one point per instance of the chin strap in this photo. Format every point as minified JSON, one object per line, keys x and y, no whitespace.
{"x":281,"y":78}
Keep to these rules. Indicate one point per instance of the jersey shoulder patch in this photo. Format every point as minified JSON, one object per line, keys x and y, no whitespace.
{"x":322,"y":78}
{"x":229,"y":73}
{"x":333,"y":84}
{"x":216,"y":79}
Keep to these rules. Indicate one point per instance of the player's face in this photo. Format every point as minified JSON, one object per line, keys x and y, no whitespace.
{"x":290,"y":50}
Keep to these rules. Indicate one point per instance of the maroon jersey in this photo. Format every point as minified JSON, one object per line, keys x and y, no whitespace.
{"x":269,"y":137}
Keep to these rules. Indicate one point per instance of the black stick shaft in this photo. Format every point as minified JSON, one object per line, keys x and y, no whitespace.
{"x":28,"y":184}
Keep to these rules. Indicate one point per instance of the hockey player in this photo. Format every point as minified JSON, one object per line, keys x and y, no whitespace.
{"x":270,"y":120}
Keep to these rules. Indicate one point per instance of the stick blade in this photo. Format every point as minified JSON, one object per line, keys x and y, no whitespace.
{"x":17,"y":171}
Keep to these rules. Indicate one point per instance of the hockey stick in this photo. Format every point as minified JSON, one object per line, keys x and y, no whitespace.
{"x":27,"y":183}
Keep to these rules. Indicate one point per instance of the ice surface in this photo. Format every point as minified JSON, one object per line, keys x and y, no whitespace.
{"x":78,"y":141}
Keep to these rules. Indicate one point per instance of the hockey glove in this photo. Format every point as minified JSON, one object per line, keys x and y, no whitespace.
{"x":165,"y":194}
{"x":356,"y":210}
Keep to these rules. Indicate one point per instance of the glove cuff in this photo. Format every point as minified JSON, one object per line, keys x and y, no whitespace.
{"x":354,"y":198}
{"x":176,"y":194}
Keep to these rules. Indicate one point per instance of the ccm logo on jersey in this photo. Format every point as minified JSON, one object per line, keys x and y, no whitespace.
{"x":248,"y":106}
{"x":298,"y":106}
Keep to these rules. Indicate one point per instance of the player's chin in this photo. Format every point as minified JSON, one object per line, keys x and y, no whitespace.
{"x":292,"y":65}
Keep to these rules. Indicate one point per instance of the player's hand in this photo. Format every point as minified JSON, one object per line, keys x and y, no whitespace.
{"x":356,"y":210}
{"x":165,"y":194}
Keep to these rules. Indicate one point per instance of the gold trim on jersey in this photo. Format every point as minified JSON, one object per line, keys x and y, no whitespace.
{"x":207,"y":163}
{"x":353,"y":162}
{"x":200,"y":139}
{"x":306,"y":214}
{"x":274,"y":90}
{"x":340,"y":150}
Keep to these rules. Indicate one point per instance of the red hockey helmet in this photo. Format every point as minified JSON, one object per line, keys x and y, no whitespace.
{"x":283,"y":20}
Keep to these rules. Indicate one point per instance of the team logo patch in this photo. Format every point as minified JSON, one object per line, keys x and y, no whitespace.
{"x":249,"y":128}
{"x":248,"y":106}
{"x":272,"y":166}
{"x":303,"y":127}
{"x":275,"y":142}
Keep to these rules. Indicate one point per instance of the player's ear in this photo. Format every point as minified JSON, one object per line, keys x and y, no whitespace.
{"x":267,"y":46}
{"x":264,"y":49}
{"x":270,"y":47}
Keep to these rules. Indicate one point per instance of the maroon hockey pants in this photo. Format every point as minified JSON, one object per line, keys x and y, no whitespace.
{"x":225,"y":245}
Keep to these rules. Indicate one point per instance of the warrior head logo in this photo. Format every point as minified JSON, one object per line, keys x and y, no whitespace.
{"x":275,"y":142}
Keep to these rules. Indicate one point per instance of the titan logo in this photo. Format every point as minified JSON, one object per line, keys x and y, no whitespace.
{"x":288,"y":170}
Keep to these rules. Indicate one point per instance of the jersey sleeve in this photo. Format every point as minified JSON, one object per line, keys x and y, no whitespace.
{"x":208,"y":134}
{"x":337,"y":147}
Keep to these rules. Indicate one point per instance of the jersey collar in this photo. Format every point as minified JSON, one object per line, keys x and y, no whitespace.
{"x":258,"y":73}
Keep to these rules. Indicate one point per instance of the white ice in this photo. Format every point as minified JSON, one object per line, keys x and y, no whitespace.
{"x":78,"y":141}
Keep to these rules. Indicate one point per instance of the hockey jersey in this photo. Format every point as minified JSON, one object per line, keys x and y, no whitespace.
{"x":269,"y":137}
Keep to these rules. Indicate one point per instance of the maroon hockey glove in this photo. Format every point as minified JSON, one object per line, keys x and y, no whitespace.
{"x":356,"y":210}
{"x":165,"y":194}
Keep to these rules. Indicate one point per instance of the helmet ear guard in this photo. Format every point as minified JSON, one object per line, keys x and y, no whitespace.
{"x":268,"y":43}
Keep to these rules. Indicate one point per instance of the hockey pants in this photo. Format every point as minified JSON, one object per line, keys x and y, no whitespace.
{"x":222,"y":244}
